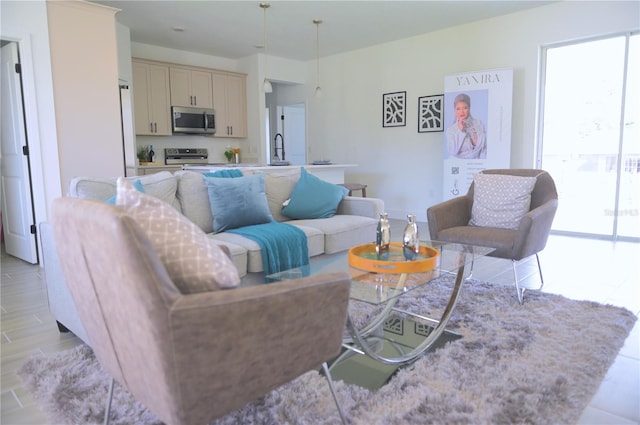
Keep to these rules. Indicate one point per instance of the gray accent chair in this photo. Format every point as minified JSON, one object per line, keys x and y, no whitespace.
{"x":189,"y":358}
{"x":449,"y":222}
{"x":61,"y":303}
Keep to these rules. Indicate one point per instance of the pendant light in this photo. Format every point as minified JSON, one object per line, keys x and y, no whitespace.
{"x":318,"y":88}
{"x":266,"y":85}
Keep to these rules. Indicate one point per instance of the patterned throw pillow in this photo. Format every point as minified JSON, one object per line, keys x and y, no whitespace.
{"x":500,"y":200}
{"x":194,"y":262}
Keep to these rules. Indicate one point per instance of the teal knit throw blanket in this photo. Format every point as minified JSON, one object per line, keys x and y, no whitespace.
{"x":283,"y":246}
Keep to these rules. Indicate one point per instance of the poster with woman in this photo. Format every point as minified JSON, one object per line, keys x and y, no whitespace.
{"x":477,"y":117}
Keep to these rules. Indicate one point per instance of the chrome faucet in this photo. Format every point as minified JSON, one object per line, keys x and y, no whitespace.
{"x":275,"y":147}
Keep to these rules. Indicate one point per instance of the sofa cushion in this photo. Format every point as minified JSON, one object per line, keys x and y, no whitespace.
{"x":315,"y":245}
{"x":342,"y":232}
{"x":194,"y":262}
{"x":500,"y":200}
{"x":238,"y":253}
{"x":162,"y":185}
{"x":279,"y":187}
{"x":137,"y":184}
{"x":237,"y":202}
{"x":194,"y":199}
{"x":313,"y":197}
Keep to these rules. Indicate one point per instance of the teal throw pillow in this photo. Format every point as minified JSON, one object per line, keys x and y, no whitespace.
{"x":136,"y":184}
{"x":233,"y":173}
{"x":313,"y":197}
{"x":237,"y":202}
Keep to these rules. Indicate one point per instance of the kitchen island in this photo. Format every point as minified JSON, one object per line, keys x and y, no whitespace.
{"x":333,"y":173}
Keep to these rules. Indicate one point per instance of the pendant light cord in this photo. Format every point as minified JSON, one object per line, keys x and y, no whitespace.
{"x":264,"y":7}
{"x":266,"y":84}
{"x":318,"y":89}
{"x":317,"y":54}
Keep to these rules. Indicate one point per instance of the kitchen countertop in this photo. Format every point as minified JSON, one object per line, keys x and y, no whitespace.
{"x":333,"y":173}
{"x":159,"y":165}
{"x":218,"y":166}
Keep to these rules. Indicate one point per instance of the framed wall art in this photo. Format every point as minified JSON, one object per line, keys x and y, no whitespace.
{"x":394,"y":109}
{"x":430,"y":113}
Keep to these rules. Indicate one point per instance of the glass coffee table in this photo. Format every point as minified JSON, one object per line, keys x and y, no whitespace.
{"x":389,"y":336}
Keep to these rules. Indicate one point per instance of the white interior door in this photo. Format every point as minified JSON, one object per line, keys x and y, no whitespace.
{"x":295,"y":131}
{"x":17,"y":208}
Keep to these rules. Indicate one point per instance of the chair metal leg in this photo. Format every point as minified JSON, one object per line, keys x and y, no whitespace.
{"x":519,"y":290}
{"x":107,"y":409}
{"x":540,"y":272}
{"x":327,"y":375}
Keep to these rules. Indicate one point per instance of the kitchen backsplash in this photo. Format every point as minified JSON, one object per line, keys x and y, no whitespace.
{"x":215,"y":146}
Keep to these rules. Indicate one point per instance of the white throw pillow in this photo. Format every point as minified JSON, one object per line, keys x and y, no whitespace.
{"x":278,"y":187}
{"x":194,"y":262}
{"x":500,"y":200}
{"x":194,"y":199}
{"x":162,"y":185}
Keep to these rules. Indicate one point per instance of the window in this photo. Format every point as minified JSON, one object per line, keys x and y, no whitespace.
{"x":589,"y":134}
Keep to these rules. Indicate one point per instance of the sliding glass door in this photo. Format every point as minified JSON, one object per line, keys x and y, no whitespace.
{"x":590,"y":139}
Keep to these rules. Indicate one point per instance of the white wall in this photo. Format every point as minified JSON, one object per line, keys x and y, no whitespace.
{"x":123,"y":37}
{"x":402,"y":166}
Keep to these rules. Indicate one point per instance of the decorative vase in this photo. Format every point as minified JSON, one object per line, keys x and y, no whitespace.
{"x":383,"y":235}
{"x":411,"y":239}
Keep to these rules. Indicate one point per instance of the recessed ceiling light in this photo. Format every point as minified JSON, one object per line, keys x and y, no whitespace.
{"x":178,"y":29}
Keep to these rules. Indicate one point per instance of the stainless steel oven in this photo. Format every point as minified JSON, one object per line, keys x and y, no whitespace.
{"x":181,"y":156}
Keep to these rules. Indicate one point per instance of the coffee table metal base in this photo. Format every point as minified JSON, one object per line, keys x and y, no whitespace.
{"x":399,"y":334}
{"x":361,"y":341}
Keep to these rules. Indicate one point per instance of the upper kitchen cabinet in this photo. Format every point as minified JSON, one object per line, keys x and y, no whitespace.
{"x":191,"y":87}
{"x":230,"y":104}
{"x":151,"y":98}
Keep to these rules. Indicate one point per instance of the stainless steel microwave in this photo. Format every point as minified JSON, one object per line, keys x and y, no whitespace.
{"x":193,"y":120}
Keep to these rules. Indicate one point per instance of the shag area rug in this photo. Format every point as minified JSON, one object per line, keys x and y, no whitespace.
{"x":539,"y":363}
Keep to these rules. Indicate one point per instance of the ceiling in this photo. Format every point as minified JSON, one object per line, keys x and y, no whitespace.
{"x":235,"y":29}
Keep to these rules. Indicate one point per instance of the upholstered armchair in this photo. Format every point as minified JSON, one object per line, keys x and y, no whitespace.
{"x":449,"y":221}
{"x":189,"y":358}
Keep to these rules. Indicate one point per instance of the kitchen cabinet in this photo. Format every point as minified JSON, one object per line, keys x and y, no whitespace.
{"x":190,"y":87}
{"x":230,"y":104}
{"x":151,"y":98}
{"x":143,"y":171}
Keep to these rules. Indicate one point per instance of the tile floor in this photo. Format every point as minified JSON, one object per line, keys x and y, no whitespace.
{"x":578,"y":268}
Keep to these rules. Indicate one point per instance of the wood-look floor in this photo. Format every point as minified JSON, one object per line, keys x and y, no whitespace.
{"x":578,"y":268}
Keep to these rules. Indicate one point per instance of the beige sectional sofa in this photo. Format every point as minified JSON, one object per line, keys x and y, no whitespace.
{"x":354,"y":223}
